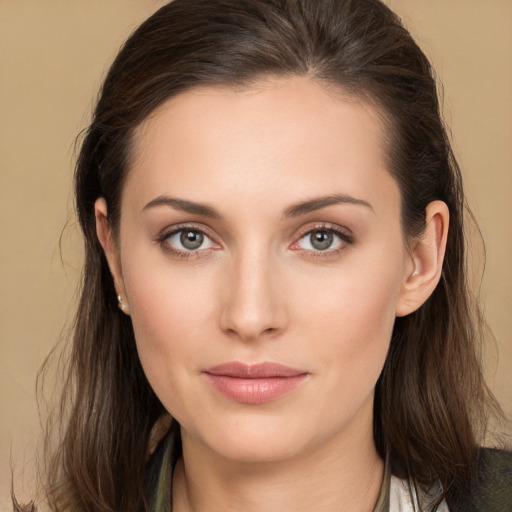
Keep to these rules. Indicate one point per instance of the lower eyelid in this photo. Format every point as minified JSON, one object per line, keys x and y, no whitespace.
{"x":326,"y":255}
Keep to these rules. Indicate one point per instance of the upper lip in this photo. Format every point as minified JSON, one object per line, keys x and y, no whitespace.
{"x":254,"y":371}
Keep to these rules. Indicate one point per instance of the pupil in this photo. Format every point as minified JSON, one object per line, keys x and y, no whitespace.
{"x":321,"y":240}
{"x":191,"y":239}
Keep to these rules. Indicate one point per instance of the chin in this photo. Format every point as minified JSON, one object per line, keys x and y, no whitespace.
{"x":258,"y":450}
{"x":256,"y":440}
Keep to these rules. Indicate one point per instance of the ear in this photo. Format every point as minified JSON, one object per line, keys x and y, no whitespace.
{"x":427,"y":255}
{"x":106,"y":239}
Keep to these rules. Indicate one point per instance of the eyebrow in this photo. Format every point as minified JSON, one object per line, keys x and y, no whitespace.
{"x":295,"y":210}
{"x":185,"y":206}
{"x":323,"y":202}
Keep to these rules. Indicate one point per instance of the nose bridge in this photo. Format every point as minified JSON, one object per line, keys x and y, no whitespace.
{"x":253,"y":303}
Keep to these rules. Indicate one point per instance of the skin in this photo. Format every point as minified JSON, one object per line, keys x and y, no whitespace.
{"x":257,"y":290}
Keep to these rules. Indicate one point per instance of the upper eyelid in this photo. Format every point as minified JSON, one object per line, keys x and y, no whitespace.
{"x":327,"y":226}
{"x":171,"y":230}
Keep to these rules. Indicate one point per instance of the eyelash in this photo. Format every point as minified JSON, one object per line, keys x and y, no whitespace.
{"x":167,"y":247}
{"x":345,"y":238}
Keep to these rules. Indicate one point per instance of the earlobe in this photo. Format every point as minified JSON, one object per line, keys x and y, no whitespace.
{"x":427,"y":255}
{"x":106,"y":239}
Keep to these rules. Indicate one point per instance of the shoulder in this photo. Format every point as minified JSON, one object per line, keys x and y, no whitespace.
{"x":492,"y":491}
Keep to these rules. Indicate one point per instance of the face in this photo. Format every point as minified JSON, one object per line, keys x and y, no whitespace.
{"x":262,"y":259}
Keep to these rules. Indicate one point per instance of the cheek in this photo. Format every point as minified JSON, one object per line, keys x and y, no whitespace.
{"x":170,"y":310}
{"x":171,"y":318}
{"x":351,"y":315}
{"x":354,"y":296}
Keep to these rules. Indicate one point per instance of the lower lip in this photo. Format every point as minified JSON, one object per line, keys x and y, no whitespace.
{"x":254,"y":391}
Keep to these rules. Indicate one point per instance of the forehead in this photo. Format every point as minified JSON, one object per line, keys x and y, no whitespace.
{"x":289,"y":135}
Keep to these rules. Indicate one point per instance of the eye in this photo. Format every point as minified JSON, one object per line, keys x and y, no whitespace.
{"x":323,"y":239}
{"x":187,"y":240}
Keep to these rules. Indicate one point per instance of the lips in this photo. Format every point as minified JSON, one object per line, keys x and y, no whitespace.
{"x":254,"y":384}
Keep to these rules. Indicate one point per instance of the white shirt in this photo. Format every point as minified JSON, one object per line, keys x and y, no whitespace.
{"x":400,"y":497}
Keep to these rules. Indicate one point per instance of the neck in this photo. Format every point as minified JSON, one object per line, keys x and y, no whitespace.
{"x":341,"y":474}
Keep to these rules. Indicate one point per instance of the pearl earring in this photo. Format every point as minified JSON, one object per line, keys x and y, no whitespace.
{"x":122,"y":306}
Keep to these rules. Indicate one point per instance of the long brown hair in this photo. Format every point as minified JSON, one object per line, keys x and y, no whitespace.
{"x":431,"y":402}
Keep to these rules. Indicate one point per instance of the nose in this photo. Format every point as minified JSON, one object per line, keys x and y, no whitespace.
{"x":254,"y":302}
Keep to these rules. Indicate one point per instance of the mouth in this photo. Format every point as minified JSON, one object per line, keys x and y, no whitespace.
{"x":254,"y":384}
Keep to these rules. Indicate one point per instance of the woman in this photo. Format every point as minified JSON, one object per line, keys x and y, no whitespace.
{"x":274,"y":244}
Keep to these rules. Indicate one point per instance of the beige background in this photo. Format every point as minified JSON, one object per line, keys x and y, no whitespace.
{"x":53,"y":54}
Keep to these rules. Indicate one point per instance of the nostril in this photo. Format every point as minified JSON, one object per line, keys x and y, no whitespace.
{"x":251,"y":333}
